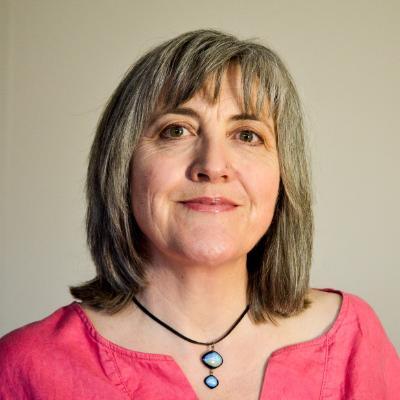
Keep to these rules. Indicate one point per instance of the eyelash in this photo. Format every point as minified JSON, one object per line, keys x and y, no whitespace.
{"x":162,"y":133}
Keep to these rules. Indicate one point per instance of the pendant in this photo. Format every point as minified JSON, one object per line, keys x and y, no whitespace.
{"x":211,"y":381}
{"x":212,"y":360}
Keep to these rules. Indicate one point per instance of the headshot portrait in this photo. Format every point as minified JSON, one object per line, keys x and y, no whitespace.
{"x":200,"y":201}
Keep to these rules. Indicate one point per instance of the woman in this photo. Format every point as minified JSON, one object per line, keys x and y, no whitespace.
{"x":200,"y":225}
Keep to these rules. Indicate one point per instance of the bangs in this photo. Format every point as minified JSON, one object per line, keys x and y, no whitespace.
{"x":182,"y":79}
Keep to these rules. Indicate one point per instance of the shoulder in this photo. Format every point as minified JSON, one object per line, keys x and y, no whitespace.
{"x":36,"y":332}
{"x":22,"y":348}
{"x":364,"y":317}
{"x":362,"y":353}
{"x":347,"y":318}
{"x":346,"y":309}
{"x":364,"y":340}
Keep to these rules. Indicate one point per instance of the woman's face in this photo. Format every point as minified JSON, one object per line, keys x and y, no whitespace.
{"x":213,"y":151}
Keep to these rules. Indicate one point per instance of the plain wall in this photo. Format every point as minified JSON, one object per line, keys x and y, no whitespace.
{"x":59,"y":63}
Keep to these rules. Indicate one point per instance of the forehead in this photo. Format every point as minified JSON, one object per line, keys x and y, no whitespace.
{"x":248,"y":97}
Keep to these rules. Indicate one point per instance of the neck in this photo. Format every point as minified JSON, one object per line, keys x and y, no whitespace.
{"x":201,"y":302}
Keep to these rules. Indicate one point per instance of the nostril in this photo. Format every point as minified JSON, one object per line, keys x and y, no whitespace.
{"x":209,"y":173}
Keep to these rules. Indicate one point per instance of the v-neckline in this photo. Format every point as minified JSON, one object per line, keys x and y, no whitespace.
{"x":190,"y":387}
{"x":166,"y":357}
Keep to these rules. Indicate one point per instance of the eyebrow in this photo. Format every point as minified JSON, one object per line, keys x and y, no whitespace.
{"x":192,"y":113}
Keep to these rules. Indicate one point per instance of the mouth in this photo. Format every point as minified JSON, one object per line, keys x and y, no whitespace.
{"x":210,"y":204}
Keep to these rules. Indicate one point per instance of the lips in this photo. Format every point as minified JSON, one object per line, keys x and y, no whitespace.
{"x":211,"y":201}
{"x":210,"y":204}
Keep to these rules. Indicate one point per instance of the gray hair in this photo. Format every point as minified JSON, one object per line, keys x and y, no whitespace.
{"x":279,"y":264}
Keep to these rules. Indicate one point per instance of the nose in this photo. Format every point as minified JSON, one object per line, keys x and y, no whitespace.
{"x":211,"y":162}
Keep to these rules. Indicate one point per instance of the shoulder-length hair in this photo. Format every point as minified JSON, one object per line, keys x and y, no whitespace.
{"x":279,"y":264}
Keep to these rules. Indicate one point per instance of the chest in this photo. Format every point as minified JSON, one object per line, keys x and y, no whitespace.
{"x":241,"y":376}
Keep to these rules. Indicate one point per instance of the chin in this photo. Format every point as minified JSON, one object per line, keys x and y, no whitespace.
{"x":210,"y":254}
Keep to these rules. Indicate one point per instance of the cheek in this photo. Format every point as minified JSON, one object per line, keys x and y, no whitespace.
{"x":268,"y":186}
{"x":262,"y":185}
{"x":261,"y":178}
{"x":152,"y":178}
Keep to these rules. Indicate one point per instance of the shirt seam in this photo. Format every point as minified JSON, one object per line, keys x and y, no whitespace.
{"x":111,"y":347}
{"x":329,"y":341}
{"x":325,"y":373}
{"x":120,"y":376}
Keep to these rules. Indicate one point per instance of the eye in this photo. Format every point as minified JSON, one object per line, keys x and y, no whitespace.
{"x":173,"y":131}
{"x":250,"y":137}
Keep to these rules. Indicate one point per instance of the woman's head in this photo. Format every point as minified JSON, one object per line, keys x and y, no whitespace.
{"x":205,"y":148}
{"x":217,"y":75}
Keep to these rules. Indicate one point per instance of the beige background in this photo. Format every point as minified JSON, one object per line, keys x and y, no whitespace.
{"x":60,"y":60}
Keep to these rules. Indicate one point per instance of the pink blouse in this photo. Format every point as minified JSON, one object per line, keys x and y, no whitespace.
{"x":63,"y":357}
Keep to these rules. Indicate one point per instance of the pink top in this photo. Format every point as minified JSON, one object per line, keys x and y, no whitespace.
{"x":63,"y":357}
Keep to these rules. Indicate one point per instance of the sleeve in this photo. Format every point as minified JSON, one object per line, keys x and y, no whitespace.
{"x":373,"y":370}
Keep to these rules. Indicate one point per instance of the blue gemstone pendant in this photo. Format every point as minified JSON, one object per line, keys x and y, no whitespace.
{"x":211,"y":381}
{"x":212,"y":360}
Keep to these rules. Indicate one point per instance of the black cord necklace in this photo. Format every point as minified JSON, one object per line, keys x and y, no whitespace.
{"x":211,"y":358}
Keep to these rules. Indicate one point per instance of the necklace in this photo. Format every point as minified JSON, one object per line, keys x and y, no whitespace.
{"x":211,"y":358}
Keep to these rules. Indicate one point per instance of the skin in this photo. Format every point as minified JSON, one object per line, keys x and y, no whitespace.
{"x":198,"y":259}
